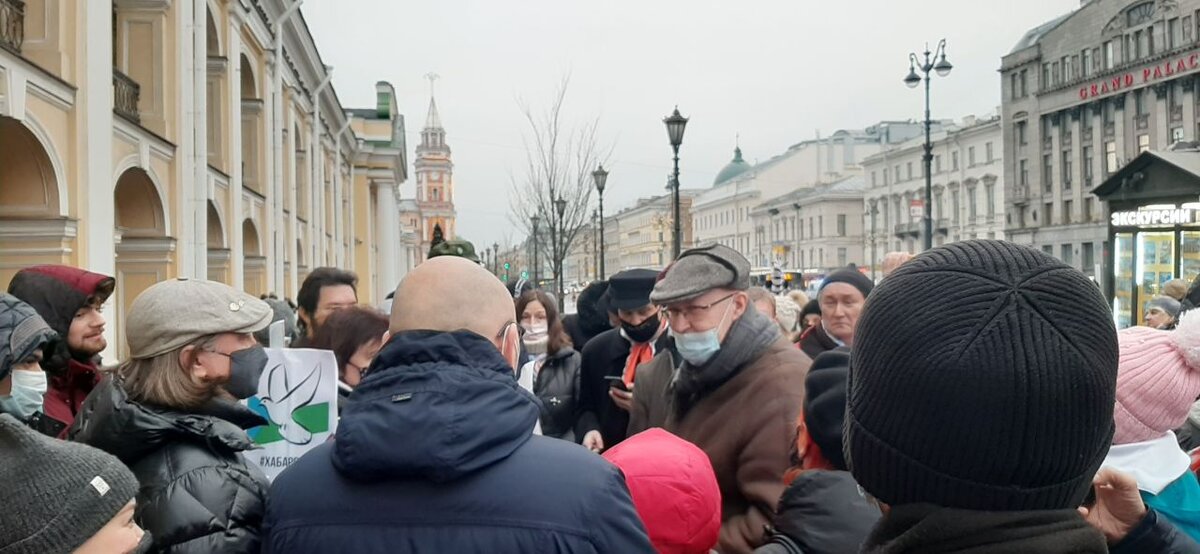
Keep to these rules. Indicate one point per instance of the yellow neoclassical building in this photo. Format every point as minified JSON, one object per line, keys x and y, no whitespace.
{"x":149,"y":139}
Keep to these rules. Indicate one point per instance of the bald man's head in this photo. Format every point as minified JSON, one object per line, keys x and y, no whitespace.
{"x":448,"y":293}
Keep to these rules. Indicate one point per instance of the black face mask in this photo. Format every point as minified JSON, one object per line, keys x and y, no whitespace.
{"x":245,"y":370}
{"x":644,"y":332}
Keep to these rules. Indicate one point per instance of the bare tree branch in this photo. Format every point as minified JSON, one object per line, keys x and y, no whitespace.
{"x":559,"y":164}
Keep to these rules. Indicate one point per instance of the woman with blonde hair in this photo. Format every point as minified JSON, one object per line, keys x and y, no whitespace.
{"x":171,"y":412}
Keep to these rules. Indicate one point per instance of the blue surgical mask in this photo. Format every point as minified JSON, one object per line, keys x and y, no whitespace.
{"x":28,"y":390}
{"x":700,"y":347}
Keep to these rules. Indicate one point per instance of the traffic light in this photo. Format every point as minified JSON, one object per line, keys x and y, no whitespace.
{"x":507,"y":266}
{"x":524,"y":274}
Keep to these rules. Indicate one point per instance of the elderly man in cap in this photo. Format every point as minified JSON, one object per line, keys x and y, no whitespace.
{"x":841,"y":298}
{"x":611,"y":359}
{"x":734,"y":389}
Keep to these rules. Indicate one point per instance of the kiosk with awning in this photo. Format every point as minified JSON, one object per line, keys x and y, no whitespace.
{"x":1153,"y":230}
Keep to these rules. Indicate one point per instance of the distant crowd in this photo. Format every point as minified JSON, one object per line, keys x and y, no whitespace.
{"x":977,"y":399}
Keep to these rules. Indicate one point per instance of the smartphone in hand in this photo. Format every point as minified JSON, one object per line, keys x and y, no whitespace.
{"x":616,"y":382}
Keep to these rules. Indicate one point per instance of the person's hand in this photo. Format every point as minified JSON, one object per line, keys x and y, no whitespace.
{"x":1118,"y":508}
{"x":593,"y":441}
{"x":623,"y":399}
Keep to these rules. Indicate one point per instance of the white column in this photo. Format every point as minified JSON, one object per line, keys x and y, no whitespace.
{"x":94,"y":116}
{"x":1187,"y":87}
{"x":237,"y":258}
{"x":315,"y":152}
{"x":197,"y":189}
{"x":1160,"y":133}
{"x":1077,"y":186}
{"x":272,"y":208}
{"x":387,"y":233}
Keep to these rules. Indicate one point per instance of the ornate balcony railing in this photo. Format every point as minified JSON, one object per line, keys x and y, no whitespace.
{"x":125,"y":96}
{"x":12,"y":24}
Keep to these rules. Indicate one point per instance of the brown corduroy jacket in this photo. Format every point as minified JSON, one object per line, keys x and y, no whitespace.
{"x":746,"y":426}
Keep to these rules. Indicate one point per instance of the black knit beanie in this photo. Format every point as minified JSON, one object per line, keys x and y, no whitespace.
{"x":825,"y":403}
{"x":983,"y":378}
{"x":56,"y":494}
{"x":850,"y":276}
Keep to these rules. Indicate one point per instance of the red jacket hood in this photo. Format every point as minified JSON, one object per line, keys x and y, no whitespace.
{"x":674,"y":490}
{"x":58,"y":291}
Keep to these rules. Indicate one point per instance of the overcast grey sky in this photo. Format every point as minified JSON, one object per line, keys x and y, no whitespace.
{"x":774,"y":71}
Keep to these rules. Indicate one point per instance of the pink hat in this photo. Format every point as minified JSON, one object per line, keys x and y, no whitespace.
{"x":1158,"y":379}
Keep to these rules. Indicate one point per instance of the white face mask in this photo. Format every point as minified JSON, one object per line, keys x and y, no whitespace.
{"x":536,"y":331}
{"x":25,"y":398}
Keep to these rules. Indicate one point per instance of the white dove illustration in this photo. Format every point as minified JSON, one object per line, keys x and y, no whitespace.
{"x":283,"y":399}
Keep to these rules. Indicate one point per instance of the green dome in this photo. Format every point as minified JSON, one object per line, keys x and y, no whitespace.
{"x":732,"y":169}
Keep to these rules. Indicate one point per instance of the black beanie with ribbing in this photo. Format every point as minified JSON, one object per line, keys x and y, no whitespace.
{"x":983,"y":377}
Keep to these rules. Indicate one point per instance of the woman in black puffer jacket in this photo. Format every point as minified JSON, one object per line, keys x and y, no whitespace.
{"x":171,"y":413}
{"x":553,"y":372}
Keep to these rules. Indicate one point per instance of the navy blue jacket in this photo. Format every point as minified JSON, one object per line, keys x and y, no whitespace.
{"x":435,"y":453}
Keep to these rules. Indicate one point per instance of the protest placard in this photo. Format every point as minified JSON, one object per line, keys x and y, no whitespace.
{"x":297,"y":395}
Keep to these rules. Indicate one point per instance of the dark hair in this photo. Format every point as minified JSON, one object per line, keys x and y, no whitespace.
{"x":348,"y":329}
{"x":321,"y":277}
{"x":558,"y":335}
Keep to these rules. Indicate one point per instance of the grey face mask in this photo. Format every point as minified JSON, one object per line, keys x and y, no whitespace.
{"x":245,"y":371}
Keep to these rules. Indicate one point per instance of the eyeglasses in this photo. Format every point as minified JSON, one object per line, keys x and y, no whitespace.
{"x":691,"y":313}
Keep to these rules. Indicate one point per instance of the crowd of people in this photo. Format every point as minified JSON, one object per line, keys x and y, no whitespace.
{"x":977,"y":399}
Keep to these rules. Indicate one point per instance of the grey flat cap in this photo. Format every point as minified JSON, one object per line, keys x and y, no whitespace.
{"x":700,"y":270}
{"x":173,"y":313}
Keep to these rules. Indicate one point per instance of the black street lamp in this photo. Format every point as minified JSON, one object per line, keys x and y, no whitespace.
{"x":874,"y":213}
{"x":600,"y":176}
{"x":942,"y":68}
{"x":560,"y":206}
{"x":675,"y":124}
{"x":597,"y":245}
{"x":536,"y":270}
{"x":496,"y":258}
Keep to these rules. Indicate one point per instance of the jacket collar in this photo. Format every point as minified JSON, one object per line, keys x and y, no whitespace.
{"x":929,"y":528}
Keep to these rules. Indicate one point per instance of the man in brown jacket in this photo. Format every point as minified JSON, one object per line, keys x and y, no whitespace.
{"x":731,"y":385}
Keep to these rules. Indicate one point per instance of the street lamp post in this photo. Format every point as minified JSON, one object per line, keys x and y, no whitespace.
{"x":942,"y":68}
{"x":874,"y":260}
{"x":536,"y":270}
{"x":496,"y":258}
{"x":560,"y":206}
{"x":595,"y":247}
{"x":600,"y":176}
{"x":675,"y":125}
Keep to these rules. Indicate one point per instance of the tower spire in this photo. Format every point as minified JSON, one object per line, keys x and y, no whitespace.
{"x":432,"y":119}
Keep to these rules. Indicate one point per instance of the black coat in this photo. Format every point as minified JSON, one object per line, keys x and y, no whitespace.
{"x":604,"y":356}
{"x":821,"y":512}
{"x":816,"y":341}
{"x":435,"y":453}
{"x":557,"y":387}
{"x":1155,"y":534}
{"x":197,"y":493}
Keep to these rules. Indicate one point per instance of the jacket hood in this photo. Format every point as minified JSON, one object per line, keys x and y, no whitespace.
{"x":824,"y":512}
{"x":112,"y":422}
{"x":58,"y":291}
{"x":22,"y":331}
{"x":434,"y":405}
{"x":593,"y":319}
{"x":674,"y":490}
